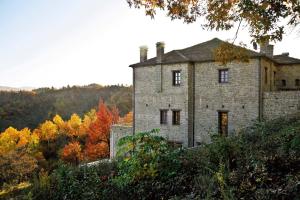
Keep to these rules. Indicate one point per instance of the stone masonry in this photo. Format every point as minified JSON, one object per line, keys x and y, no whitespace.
{"x":263,"y":88}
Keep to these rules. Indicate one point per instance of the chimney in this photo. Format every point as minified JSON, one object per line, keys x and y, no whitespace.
{"x":143,"y":53}
{"x":160,"y":50}
{"x":267,"y":49}
{"x":285,"y":54}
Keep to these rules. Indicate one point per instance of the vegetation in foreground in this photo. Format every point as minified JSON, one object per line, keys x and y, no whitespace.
{"x":261,"y":163}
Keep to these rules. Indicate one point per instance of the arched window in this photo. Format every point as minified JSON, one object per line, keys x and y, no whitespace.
{"x":297,"y":82}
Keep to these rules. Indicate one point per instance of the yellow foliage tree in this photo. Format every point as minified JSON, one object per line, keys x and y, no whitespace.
{"x":59,"y":122}
{"x":8,"y":140}
{"x":75,"y":127}
{"x":12,"y":139}
{"x":47,"y":131}
{"x":127,"y":119}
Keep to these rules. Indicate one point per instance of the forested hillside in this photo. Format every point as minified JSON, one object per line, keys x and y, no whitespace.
{"x":29,"y":109}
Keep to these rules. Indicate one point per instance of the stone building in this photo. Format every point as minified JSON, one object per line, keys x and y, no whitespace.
{"x":189,"y":96}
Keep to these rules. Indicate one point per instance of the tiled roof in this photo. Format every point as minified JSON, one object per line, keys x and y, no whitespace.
{"x":198,"y":53}
{"x":285,"y":60}
{"x":205,"y":52}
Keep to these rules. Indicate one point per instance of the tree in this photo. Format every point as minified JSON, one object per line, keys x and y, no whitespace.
{"x":59,"y":122}
{"x":97,"y":143}
{"x":127,"y":119}
{"x":96,"y":151}
{"x":75,"y":127}
{"x":266,"y":19}
{"x":47,"y":131}
{"x":16,"y":165}
{"x":72,"y":153}
{"x":12,"y":139}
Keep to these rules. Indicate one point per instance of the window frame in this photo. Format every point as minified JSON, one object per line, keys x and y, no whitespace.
{"x":176,"y":80}
{"x":163,"y":116}
{"x":223,"y":75}
{"x":175,"y":120}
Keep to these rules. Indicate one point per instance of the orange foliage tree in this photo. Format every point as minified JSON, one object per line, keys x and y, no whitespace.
{"x":97,"y":143}
{"x":72,"y":153}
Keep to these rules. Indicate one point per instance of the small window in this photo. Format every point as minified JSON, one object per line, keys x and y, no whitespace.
{"x":223,"y":123}
{"x":163,"y":116}
{"x":176,"y":117}
{"x":297,"y":82}
{"x":274,"y":78}
{"x":266,"y":75}
{"x":223,"y":76}
{"x":176,"y":78}
{"x":175,"y":144}
{"x":283,"y":82}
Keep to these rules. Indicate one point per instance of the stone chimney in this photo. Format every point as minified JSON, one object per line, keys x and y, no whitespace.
{"x":143,"y":53}
{"x":285,"y":54}
{"x":267,"y":49}
{"x":160,"y":50}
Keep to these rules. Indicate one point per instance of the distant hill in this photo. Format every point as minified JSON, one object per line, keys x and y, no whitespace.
{"x":5,"y":88}
{"x":20,"y":108}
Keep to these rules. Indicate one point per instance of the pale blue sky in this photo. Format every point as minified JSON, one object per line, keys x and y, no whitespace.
{"x":77,"y":42}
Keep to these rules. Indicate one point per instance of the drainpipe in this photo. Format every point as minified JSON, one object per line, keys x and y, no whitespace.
{"x":193,"y":66}
{"x":133,"y":101}
{"x":260,"y":106}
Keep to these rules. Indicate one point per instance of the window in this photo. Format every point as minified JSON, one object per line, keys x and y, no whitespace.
{"x":223,"y":123}
{"x":176,"y":78}
{"x":274,"y":79}
{"x":266,"y":75}
{"x":223,"y":76}
{"x":175,"y":144}
{"x":283,"y":82}
{"x":297,"y":82}
{"x":176,"y":117}
{"x":163,"y":116}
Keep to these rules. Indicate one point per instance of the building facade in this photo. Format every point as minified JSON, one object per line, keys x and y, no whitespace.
{"x":189,"y":96}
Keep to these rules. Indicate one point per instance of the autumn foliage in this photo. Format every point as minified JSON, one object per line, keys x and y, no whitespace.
{"x":127,"y":119}
{"x":73,"y":141}
{"x":72,"y":153}
{"x":12,"y":139}
{"x":97,"y":143}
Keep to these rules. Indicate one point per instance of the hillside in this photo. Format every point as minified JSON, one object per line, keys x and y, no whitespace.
{"x":5,"y":88}
{"x":29,"y":108}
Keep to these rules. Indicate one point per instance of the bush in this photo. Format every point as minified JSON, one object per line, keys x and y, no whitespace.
{"x":70,"y":182}
{"x":145,"y":155}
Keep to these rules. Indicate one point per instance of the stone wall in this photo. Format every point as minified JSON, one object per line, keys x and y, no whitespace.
{"x":268,"y":75}
{"x":280,"y":104}
{"x":289,"y":73}
{"x":240,"y":97}
{"x":154,"y":91}
{"x":117,"y":132}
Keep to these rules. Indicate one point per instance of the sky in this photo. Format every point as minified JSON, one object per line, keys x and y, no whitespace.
{"x":79,"y":42}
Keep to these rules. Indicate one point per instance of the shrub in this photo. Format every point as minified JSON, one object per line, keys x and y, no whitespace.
{"x":70,"y":182}
{"x":144,"y":155}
